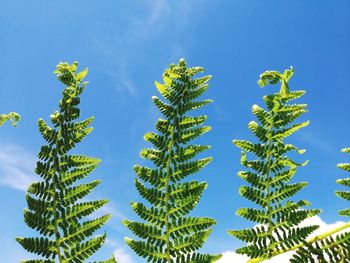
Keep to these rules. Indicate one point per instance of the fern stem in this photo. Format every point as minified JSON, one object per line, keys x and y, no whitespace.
{"x":326,"y":234}
{"x":168,"y":166}
{"x":56,"y":201}
{"x":310,"y":241}
{"x":57,"y":234}
{"x":56,"y":166}
{"x":168,"y":169}
{"x":268,"y":158}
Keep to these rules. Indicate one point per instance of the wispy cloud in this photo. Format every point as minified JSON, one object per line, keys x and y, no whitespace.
{"x":111,"y":243}
{"x":17,"y":171}
{"x":229,"y":256}
{"x":16,"y":166}
{"x":156,"y":22}
{"x":122,"y":256}
{"x":315,"y":140}
{"x":110,"y":208}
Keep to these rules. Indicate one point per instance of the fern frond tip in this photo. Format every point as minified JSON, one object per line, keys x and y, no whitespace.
{"x":182,"y":62}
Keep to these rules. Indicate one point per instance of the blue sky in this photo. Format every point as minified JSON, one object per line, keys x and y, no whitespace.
{"x":127,"y":45}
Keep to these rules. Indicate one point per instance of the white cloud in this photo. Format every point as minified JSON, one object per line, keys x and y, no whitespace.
{"x":229,"y":257}
{"x":324,"y":227}
{"x":110,"y":208}
{"x":314,"y":139}
{"x":121,"y":49}
{"x":119,"y":253}
{"x":111,"y":243}
{"x":16,"y":167}
{"x":122,"y":256}
{"x":17,"y":171}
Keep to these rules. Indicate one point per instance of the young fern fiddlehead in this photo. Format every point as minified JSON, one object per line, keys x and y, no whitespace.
{"x":270,"y":174}
{"x":53,"y":207}
{"x":168,"y":234}
{"x":330,"y":247}
{"x":13,"y":117}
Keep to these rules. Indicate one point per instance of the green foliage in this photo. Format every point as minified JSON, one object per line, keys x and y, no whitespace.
{"x":269,"y":175}
{"x":167,"y":234}
{"x":330,"y":247}
{"x":54,"y":209}
{"x":13,"y":117}
{"x":346,"y":182}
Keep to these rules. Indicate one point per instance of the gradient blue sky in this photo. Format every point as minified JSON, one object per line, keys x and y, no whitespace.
{"x":127,"y":45}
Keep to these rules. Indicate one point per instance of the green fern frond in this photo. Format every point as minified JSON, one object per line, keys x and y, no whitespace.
{"x":13,"y":117}
{"x":111,"y":260}
{"x":345,"y":182}
{"x":167,"y":233}
{"x":55,"y":208}
{"x":269,"y":175}
{"x":327,"y":249}
{"x":330,"y":247}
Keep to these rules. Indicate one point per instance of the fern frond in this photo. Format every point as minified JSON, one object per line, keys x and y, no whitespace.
{"x":13,"y":117}
{"x":111,"y":260}
{"x":331,"y":246}
{"x":345,"y":182}
{"x":167,"y":233}
{"x":54,"y":209}
{"x":269,"y":175}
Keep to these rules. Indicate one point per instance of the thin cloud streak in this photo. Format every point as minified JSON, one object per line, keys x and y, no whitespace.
{"x":314,"y":140}
{"x":16,"y":167}
{"x":122,"y":256}
{"x":124,"y":55}
{"x":110,"y":208}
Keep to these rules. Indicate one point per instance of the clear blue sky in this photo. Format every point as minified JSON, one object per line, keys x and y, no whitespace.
{"x":127,"y":45}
